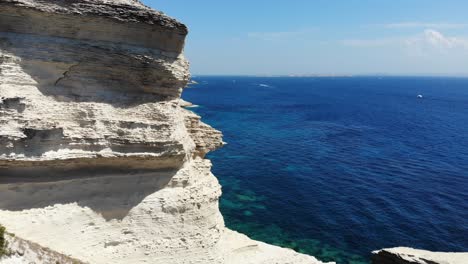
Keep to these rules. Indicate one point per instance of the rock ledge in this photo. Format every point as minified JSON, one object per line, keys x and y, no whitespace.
{"x":404,"y":255}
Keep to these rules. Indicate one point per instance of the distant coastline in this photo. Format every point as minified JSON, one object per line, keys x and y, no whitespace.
{"x":331,"y":76}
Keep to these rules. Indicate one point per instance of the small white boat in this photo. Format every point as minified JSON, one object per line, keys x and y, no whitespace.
{"x":420,"y":96}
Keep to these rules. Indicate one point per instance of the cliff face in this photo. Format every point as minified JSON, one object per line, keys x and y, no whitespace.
{"x":78,"y":95}
{"x":98,"y":160}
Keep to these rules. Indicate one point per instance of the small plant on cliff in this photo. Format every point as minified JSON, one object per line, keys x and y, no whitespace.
{"x":3,"y":243}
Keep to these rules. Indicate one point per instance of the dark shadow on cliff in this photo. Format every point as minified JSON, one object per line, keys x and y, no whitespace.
{"x":111,"y":194}
{"x":101,"y":72}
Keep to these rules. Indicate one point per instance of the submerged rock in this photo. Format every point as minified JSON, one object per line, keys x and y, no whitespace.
{"x":98,"y":160}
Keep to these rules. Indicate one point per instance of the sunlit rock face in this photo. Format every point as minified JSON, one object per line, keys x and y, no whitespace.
{"x":98,"y":160}
{"x":86,"y":91}
{"x":403,"y":255}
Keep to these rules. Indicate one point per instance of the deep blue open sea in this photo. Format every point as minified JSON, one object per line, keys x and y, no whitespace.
{"x":338,"y":167}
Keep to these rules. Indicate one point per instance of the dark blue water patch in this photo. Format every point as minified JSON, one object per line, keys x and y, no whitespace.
{"x":338,"y":167}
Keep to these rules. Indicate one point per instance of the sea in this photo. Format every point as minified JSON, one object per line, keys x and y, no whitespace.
{"x":337,"y":167}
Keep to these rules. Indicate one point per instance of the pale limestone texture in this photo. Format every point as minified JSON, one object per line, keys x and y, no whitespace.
{"x":23,"y":251}
{"x":98,"y":159}
{"x":403,"y":255}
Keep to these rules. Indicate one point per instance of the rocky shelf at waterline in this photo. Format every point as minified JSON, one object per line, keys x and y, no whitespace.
{"x":404,"y":255}
{"x":99,"y":161}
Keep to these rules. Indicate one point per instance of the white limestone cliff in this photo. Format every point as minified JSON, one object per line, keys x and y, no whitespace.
{"x":98,"y":160}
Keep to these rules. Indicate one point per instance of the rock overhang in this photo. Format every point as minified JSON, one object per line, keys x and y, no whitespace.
{"x":90,"y":84}
{"x":128,"y":22}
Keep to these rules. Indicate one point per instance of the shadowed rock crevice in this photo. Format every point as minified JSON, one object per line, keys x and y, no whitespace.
{"x":14,"y":103}
{"x":80,"y":71}
{"x":111,"y":195}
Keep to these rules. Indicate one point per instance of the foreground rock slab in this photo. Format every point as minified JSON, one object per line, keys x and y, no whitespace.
{"x":23,"y":251}
{"x":404,"y":255}
{"x":99,"y":161}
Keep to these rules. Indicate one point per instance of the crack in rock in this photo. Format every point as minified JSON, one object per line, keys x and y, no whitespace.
{"x":65,"y":74}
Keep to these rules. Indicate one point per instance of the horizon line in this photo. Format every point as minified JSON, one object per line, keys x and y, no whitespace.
{"x":335,"y":75}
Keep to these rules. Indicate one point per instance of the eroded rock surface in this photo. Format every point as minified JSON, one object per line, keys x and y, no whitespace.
{"x":23,"y":251}
{"x":98,"y":159}
{"x":403,"y":255}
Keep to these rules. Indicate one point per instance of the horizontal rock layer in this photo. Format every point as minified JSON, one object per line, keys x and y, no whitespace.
{"x":116,"y":21}
{"x":65,"y":100}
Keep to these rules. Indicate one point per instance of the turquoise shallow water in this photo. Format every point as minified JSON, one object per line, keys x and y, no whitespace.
{"x":338,"y":167}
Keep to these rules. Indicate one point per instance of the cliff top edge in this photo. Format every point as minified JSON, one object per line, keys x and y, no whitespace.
{"x":121,"y":10}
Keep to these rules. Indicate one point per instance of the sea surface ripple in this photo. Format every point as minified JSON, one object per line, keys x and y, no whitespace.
{"x":338,"y":167}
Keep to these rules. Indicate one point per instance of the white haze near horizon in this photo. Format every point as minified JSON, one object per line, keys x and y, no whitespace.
{"x":302,"y":37}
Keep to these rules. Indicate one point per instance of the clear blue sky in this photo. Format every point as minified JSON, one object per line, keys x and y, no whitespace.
{"x":260,"y":37}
